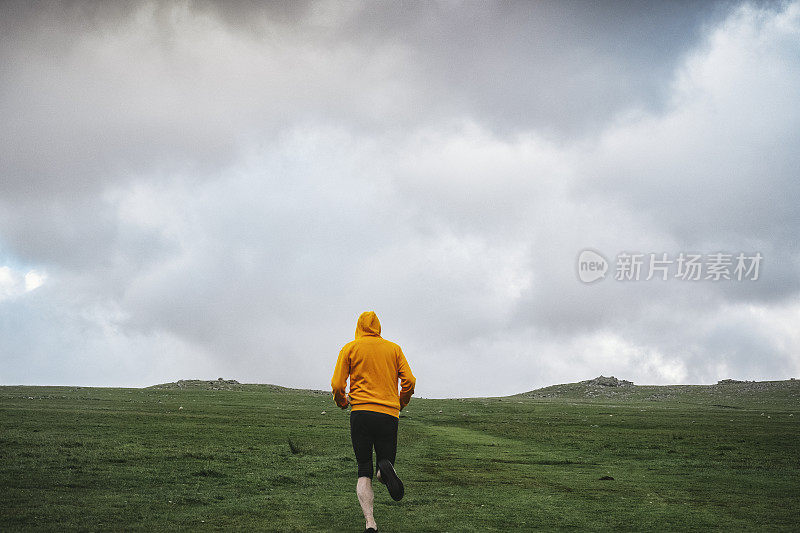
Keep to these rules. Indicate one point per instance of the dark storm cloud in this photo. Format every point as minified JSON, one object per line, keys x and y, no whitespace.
{"x":125,"y":88}
{"x":558,"y":67}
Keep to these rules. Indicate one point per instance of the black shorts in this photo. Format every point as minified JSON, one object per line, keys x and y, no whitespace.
{"x":368,"y":429}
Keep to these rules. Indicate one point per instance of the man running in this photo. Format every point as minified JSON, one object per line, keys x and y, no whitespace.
{"x":373,"y":365}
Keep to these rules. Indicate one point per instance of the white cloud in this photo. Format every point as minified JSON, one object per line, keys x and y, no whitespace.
{"x":13,"y":283}
{"x":34,"y":280}
{"x":8,"y":283}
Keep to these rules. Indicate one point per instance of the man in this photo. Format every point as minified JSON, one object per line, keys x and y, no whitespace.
{"x":373,"y":365}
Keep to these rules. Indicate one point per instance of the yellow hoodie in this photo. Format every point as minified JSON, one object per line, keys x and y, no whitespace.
{"x":374,"y":365}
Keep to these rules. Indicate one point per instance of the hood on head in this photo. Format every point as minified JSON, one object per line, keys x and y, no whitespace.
{"x":368,"y":324}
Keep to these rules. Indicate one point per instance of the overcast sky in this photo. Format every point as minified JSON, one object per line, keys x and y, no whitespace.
{"x":202,"y":190}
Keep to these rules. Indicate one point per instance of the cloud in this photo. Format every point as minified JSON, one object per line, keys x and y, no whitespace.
{"x":14,"y":284}
{"x":213,"y":189}
{"x":719,"y":164}
{"x":122,"y":91}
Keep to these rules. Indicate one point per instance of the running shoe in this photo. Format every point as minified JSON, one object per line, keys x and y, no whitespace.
{"x":389,"y":476}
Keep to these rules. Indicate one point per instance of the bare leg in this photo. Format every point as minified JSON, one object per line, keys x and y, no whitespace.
{"x":365,"y":498}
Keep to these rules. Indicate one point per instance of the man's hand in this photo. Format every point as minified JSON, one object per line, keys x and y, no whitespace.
{"x":346,"y":397}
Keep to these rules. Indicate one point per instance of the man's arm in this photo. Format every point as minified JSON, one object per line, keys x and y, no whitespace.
{"x":339,"y":379}
{"x":407,"y":379}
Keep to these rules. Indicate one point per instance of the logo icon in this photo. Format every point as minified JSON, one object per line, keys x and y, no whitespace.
{"x":591,"y":266}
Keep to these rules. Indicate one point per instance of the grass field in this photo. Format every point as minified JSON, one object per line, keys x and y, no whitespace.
{"x":264,"y":458}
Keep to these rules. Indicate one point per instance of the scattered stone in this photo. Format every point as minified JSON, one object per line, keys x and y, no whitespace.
{"x":323,"y":412}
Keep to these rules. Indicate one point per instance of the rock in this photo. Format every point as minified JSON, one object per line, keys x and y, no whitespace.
{"x":608,"y":382}
{"x":727,"y":381}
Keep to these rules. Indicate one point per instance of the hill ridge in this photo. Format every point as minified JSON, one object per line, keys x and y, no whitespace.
{"x":725,"y":391}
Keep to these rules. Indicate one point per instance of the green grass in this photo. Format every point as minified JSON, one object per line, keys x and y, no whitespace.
{"x":263,"y":458}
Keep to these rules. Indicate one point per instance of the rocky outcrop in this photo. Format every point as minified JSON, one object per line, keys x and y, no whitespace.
{"x":213,"y":384}
{"x":611,"y":381}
